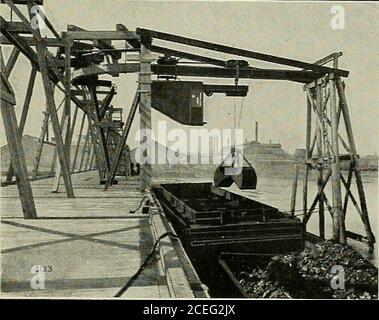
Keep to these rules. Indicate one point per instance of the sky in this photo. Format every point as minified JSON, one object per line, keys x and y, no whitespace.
{"x":296,"y":30}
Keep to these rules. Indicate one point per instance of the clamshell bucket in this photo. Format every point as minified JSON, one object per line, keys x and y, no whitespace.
{"x":220,"y":179}
{"x":247,"y":179}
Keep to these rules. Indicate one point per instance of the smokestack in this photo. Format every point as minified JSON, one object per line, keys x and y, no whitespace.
{"x":256,"y":131}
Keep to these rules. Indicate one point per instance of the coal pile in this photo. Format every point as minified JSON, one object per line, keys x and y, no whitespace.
{"x":257,"y":284}
{"x":307,"y":274}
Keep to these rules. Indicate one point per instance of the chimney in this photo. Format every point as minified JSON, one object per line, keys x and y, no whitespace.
{"x":256,"y":131}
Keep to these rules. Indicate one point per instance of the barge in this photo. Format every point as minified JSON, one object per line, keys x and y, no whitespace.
{"x":211,"y":221}
{"x":235,"y":243}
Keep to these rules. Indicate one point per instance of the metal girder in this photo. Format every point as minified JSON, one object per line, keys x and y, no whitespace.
{"x":24,"y":20}
{"x":229,"y":90}
{"x":24,"y":46}
{"x":187,"y":55}
{"x":201,"y":71}
{"x":214,"y":72}
{"x":101,"y":35}
{"x":40,"y":2}
{"x":240,"y":52}
{"x":100,"y":44}
{"x":12,"y":26}
{"x":49,"y":42}
{"x":20,"y":43}
{"x":105,"y":69}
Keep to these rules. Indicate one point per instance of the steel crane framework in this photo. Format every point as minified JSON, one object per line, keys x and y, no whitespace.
{"x":73,"y":61}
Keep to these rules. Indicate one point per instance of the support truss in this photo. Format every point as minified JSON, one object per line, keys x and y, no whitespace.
{"x":83,"y":56}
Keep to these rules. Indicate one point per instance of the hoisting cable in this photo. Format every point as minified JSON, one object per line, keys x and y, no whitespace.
{"x":144,"y":264}
{"x":241,"y":109}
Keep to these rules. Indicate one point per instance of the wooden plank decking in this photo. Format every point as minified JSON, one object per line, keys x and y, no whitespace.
{"x":92,"y":242}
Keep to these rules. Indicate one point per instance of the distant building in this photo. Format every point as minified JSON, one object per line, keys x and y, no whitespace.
{"x":264,"y":150}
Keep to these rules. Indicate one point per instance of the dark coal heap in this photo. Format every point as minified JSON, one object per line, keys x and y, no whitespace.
{"x":307,"y":274}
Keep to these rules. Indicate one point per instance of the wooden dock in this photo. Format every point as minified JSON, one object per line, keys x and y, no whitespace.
{"x":92,"y":244}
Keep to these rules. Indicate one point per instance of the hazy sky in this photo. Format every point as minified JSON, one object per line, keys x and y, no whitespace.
{"x":295,"y":30}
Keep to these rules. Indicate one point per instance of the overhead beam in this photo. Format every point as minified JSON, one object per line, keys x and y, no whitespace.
{"x":240,"y":52}
{"x":101,"y":35}
{"x":24,"y":20}
{"x":19,"y":42}
{"x":100,"y":44}
{"x":49,"y":42}
{"x":186,"y":55}
{"x":105,"y":69}
{"x":201,"y":71}
{"x":12,"y":26}
{"x":40,"y":2}
{"x":328,"y":58}
{"x":214,"y":72}
{"x":23,"y":44}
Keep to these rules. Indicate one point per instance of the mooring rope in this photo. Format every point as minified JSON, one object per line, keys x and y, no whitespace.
{"x":144,"y":264}
{"x":145,"y":197}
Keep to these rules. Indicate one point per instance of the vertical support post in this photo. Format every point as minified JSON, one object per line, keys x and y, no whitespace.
{"x":307,"y":155}
{"x":90,"y":146}
{"x":58,"y":170}
{"x":67,"y":106}
{"x":92,"y":158}
{"x":42,"y":53}
{"x":24,"y":114}
{"x":94,"y":132}
{"x":18,"y":159}
{"x":66,"y":132}
{"x":78,"y":143}
{"x":7,"y":103}
{"x":38,"y":154}
{"x":84,"y":149}
{"x":124,"y":137}
{"x":294,"y":190}
{"x":357,"y":170}
{"x":41,"y":141}
{"x":100,"y":130}
{"x":319,"y":137}
{"x":338,"y":232}
{"x":72,"y":127}
{"x":145,"y":117}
